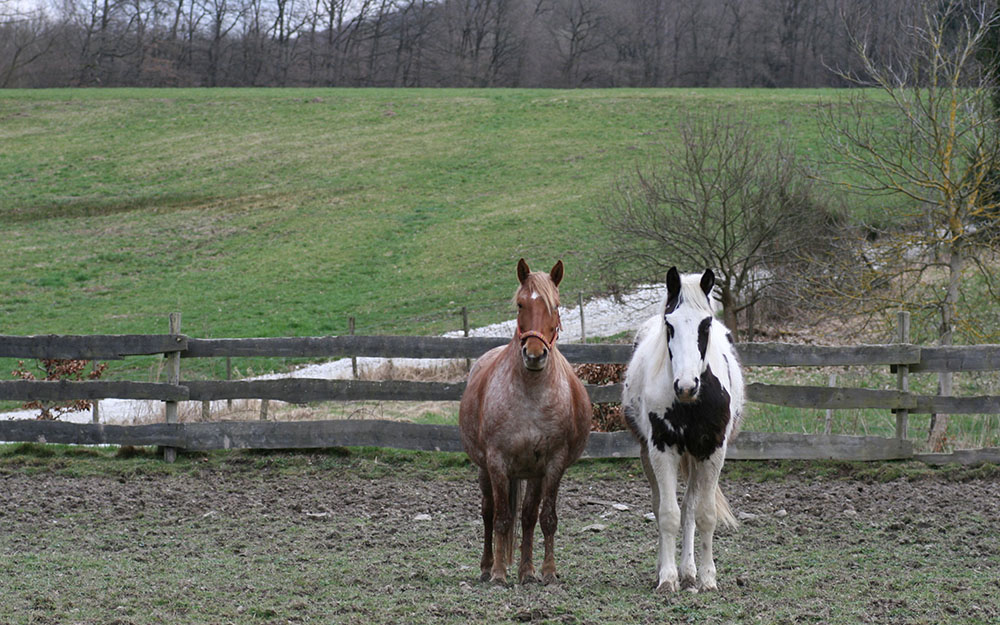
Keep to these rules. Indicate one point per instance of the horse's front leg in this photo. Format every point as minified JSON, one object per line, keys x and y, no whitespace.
{"x":705,"y":481}
{"x":486,"y":564}
{"x":668,"y":516}
{"x":692,"y":497}
{"x":549,"y":521}
{"x":503,"y":525}
{"x":529,"y":517}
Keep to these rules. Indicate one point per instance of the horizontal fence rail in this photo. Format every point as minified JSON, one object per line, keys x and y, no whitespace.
{"x":376,"y":433}
{"x":306,"y":390}
{"x":270,"y":434}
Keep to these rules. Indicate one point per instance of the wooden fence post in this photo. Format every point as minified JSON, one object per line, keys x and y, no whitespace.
{"x":583,"y":328}
{"x":173,"y":377}
{"x":95,"y":412}
{"x":229,"y":376}
{"x":465,"y":333}
{"x":903,"y":375}
{"x":354,"y":360}
{"x":828,"y":424}
{"x":263,"y":409}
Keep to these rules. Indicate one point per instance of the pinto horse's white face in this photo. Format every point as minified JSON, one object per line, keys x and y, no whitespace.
{"x":688,"y":327}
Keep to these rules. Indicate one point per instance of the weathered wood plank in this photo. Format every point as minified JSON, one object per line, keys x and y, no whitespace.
{"x":776,"y":446}
{"x":791,"y":355}
{"x":958,"y":358}
{"x":66,"y":390}
{"x":962,"y":456}
{"x":770,"y":446}
{"x":827,"y":397}
{"x":304,"y":390}
{"x":611,"y":445}
{"x":610,"y":353}
{"x":315,"y":434}
{"x":387,"y":347}
{"x":989,"y":404}
{"x":27,"y":430}
{"x":604,"y":394}
{"x":374,"y":433}
{"x":347,"y":345}
{"x":89,"y":346}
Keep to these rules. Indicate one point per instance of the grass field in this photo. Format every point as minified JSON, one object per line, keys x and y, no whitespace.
{"x":282,"y":212}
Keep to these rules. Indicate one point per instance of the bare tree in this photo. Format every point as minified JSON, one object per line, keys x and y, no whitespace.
{"x":932,"y":139}
{"x":25,"y":36}
{"x":726,"y":198}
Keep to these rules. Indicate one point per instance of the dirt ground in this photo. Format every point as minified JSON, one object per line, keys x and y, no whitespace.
{"x":259,"y":543}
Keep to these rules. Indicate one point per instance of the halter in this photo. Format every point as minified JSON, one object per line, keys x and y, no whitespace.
{"x":524,"y":336}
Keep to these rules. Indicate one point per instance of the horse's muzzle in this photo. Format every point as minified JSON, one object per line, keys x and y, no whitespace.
{"x":687,"y":393}
{"x":533,"y":362}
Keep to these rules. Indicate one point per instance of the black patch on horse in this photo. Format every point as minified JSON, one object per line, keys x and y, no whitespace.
{"x":703,"y":329}
{"x":698,"y":428}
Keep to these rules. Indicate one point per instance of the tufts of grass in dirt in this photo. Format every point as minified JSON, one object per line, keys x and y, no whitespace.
{"x":346,"y":535}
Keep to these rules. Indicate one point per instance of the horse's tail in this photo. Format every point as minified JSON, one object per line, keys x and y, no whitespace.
{"x":723,"y":513}
{"x":515,"y":495}
{"x":722,"y":510}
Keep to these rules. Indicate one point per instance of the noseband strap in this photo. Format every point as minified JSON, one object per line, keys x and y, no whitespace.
{"x":524,"y":336}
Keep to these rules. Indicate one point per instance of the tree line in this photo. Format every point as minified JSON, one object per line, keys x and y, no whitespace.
{"x":436,"y":43}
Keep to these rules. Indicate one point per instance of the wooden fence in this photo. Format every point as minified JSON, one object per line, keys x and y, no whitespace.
{"x":902,"y":358}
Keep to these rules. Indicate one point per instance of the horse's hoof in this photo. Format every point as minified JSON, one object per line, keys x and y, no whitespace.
{"x":549,"y":579}
{"x":667,"y":587}
{"x":688,"y":583}
{"x":499,"y":582}
{"x":528,"y":576}
{"x":485,"y":577}
{"x":707,"y":586}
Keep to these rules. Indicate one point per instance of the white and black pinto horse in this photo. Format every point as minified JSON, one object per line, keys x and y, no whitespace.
{"x":683,"y":400}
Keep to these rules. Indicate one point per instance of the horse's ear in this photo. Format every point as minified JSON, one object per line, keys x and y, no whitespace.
{"x":557,"y":273}
{"x":673,"y":283}
{"x":673,"y":289}
{"x":707,"y":282}
{"x":522,"y":271}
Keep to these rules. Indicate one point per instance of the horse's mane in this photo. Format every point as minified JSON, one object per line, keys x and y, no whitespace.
{"x":541,"y":283}
{"x":692,"y":295}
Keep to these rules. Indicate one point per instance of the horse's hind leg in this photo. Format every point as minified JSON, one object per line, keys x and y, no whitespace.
{"x":529,"y":517}
{"x":486,"y":564}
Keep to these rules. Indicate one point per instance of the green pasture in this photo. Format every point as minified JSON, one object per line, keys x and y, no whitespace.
{"x":283,"y":212}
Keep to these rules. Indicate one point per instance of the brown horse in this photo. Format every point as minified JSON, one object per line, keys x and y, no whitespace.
{"x":524,"y":416}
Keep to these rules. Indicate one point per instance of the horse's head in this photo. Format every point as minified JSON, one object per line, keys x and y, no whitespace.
{"x":688,"y":318}
{"x":537,"y":302}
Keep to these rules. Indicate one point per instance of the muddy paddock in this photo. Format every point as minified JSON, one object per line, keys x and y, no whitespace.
{"x":359,"y":539}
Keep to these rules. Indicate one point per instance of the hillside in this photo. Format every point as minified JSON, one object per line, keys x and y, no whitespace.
{"x":284,"y":212}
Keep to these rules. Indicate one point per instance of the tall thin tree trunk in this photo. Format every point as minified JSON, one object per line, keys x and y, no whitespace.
{"x":939,"y":422}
